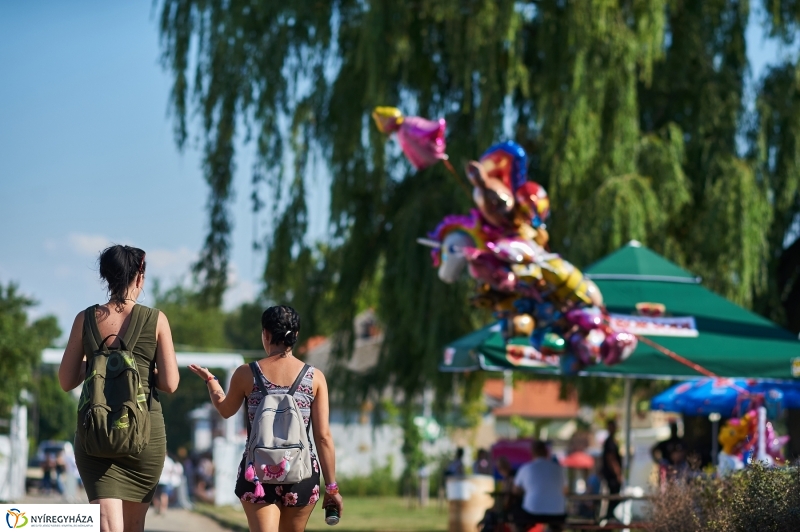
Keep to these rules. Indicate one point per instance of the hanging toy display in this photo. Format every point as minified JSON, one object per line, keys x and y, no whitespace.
{"x":503,"y":245}
{"x":739,"y":439}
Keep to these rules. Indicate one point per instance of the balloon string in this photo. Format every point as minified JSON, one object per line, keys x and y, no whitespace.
{"x":458,"y":178}
{"x":676,"y":357}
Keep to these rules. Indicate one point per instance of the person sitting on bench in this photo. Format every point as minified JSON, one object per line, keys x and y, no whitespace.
{"x":543,"y":484}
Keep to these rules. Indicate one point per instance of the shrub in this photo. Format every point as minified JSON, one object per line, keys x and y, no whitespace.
{"x":379,"y":483}
{"x":758,"y":498}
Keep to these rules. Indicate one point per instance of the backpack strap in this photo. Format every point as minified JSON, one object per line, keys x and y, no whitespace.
{"x":88,"y":330}
{"x":135,"y":326}
{"x":257,"y":374}
{"x":298,"y":380}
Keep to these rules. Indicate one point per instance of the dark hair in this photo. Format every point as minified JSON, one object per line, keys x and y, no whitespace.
{"x":539,"y":449}
{"x":283,"y":323}
{"x":119,"y":266}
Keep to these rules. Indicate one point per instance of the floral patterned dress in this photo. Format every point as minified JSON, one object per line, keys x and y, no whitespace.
{"x":304,"y":492}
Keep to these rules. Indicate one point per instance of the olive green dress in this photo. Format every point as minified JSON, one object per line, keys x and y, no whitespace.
{"x":130,"y":478}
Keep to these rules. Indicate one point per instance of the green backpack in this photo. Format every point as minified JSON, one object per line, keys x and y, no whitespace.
{"x":113,"y":411}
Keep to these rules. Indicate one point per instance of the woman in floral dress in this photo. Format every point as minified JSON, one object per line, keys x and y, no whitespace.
{"x":281,"y":507}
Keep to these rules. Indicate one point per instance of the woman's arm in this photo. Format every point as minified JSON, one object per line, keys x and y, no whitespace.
{"x":320,"y":421}
{"x":166,"y":376}
{"x":241,"y":384}
{"x":72,"y":370}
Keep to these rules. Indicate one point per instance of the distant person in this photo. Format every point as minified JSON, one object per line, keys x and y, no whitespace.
{"x":123,"y":486}
{"x":679,"y":466}
{"x":204,"y":479}
{"x":611,"y":467}
{"x":662,"y":451}
{"x":48,"y":473}
{"x":456,"y":466}
{"x":506,"y":483}
{"x":495,"y":519}
{"x":61,"y":469}
{"x":483,"y":463}
{"x":543,"y":485}
{"x":284,"y":507}
{"x":183,"y":483}
{"x":166,"y":484}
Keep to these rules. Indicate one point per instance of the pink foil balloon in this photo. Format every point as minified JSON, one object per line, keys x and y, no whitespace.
{"x":617,"y":346}
{"x":775,"y":444}
{"x":422,"y":140}
{"x":585,"y":319}
{"x":516,"y":250}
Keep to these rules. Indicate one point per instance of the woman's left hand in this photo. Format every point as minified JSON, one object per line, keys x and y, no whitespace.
{"x":203,"y":373}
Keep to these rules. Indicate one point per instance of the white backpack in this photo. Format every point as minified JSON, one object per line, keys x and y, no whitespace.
{"x":278,"y":449}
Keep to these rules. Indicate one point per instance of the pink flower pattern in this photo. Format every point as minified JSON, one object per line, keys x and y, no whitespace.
{"x":314,"y":495}
{"x":251,"y":497}
{"x":316,"y":468}
{"x":279,"y":490}
{"x":290,"y":499}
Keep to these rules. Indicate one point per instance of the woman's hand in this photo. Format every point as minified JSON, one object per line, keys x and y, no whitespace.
{"x":203,"y":373}
{"x":333,"y":500}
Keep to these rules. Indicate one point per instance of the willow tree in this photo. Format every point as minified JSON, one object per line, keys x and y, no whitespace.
{"x":633,"y":113}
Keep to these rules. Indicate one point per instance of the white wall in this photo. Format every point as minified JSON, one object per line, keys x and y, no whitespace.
{"x":14,"y":456}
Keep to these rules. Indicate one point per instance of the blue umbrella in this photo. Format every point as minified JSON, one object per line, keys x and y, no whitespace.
{"x":724,"y":396}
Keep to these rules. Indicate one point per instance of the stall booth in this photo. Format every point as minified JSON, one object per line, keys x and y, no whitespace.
{"x":694,"y":333}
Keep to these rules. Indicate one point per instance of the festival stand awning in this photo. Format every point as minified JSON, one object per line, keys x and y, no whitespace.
{"x":725,"y":396}
{"x":699,"y":325}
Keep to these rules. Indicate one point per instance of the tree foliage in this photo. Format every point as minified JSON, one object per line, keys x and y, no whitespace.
{"x":632,"y":111}
{"x":21,"y":344}
{"x":56,"y":410}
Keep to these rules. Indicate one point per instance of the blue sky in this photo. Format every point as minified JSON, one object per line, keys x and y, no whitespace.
{"x":87,"y":155}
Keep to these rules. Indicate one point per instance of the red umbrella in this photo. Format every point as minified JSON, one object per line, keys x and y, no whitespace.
{"x":578,"y":460}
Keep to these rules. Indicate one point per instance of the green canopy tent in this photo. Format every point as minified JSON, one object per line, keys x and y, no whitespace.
{"x":726,"y":339}
{"x":703,"y":328}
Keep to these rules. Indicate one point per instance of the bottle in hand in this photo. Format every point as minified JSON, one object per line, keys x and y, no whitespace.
{"x":331,"y":515}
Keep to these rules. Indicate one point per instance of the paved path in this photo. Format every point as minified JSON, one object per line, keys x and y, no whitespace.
{"x":175,"y":520}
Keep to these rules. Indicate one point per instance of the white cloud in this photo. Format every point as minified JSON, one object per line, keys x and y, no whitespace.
{"x":86,"y":245}
{"x":238,"y":293}
{"x":239,"y":290}
{"x":169,"y":264}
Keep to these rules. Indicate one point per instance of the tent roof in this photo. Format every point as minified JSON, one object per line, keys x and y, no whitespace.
{"x":636,"y":262}
{"x":732,"y":341}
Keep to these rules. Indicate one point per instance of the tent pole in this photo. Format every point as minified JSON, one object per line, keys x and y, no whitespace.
{"x":714,"y":418}
{"x":628,"y":417}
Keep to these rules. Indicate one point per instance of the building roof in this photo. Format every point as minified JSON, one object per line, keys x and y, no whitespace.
{"x":316,"y":351}
{"x":531,"y":399}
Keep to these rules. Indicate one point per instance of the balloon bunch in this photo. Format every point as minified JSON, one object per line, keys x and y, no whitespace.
{"x":503,"y":244}
{"x":739,"y":440}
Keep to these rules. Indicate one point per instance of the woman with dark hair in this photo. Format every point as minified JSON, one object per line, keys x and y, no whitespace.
{"x":281,"y":507}
{"x":123,"y":486}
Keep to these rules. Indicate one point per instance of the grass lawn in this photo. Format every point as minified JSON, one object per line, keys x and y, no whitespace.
{"x":378,"y":514}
